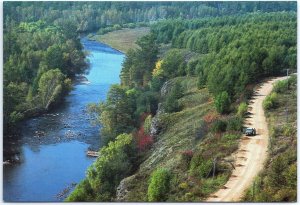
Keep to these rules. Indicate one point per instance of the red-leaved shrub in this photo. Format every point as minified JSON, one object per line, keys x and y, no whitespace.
{"x":144,"y":141}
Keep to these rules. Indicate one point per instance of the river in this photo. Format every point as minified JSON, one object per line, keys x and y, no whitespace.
{"x":52,"y":146}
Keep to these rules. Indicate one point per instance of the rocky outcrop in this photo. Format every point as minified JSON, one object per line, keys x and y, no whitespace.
{"x":165,"y":88}
{"x":155,"y":127}
{"x":122,"y":189}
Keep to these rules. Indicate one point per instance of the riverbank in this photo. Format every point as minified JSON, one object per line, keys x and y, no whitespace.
{"x":52,"y":146}
{"x":122,"y":40}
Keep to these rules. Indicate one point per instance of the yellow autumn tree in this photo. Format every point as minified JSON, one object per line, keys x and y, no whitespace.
{"x":157,"y":71}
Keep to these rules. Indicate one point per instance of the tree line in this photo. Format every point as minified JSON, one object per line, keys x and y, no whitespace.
{"x":91,"y":16}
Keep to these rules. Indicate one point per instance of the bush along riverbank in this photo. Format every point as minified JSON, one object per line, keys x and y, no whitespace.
{"x":39,"y":62}
{"x":278,"y":181}
{"x":183,"y":108}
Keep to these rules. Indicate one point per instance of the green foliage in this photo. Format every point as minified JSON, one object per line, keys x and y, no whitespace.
{"x":156,"y":83}
{"x":270,"y":101}
{"x":50,"y":87}
{"x":242,"y":109}
{"x":105,"y":174}
{"x":219,"y":126}
{"x":32,"y":49}
{"x":235,"y":50}
{"x":278,"y":165}
{"x":200,"y":167}
{"x":147,"y":124}
{"x":159,"y":185}
{"x":146,"y":102}
{"x":289,"y":130}
{"x":201,"y":80}
{"x":230,"y":137}
{"x":14,"y":96}
{"x":281,"y":86}
{"x":173,"y":64}
{"x":284,"y":85}
{"x":116,"y":114}
{"x":290,"y":176}
{"x":183,"y":185}
{"x":235,"y":123}
{"x":139,"y":63}
{"x":83,"y":192}
{"x":222,"y":102}
{"x":171,"y":103}
{"x":15,"y":117}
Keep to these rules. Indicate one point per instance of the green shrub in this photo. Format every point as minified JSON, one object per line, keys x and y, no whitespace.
{"x":200,"y":167}
{"x":242,"y":109}
{"x":230,"y":137}
{"x":183,"y":185}
{"x":235,"y":124}
{"x":159,"y":185}
{"x":191,"y":66}
{"x":289,"y":131}
{"x":173,"y":63}
{"x":278,"y":165}
{"x":147,"y":124}
{"x":82,"y":193}
{"x":219,"y":126}
{"x":271,"y":101}
{"x":201,"y":80}
{"x":222,"y":102}
{"x":292,"y":80}
{"x":291,"y":176}
{"x":171,"y":104}
{"x":281,"y":86}
{"x":117,"y":27}
{"x":105,"y":174}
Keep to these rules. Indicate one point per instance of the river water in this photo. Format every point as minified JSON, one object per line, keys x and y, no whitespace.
{"x":52,"y":146}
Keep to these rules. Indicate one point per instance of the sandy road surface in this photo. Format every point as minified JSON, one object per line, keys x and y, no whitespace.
{"x":252,"y":152}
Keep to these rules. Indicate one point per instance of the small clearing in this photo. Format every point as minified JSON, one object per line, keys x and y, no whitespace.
{"x":123,"y":39}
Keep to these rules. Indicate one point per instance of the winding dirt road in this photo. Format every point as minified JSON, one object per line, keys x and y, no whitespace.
{"x":252,"y":152}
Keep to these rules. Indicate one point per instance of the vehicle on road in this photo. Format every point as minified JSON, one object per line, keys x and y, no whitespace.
{"x":250,"y":132}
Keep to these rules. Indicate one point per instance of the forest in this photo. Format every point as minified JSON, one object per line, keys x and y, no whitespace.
{"x":91,"y":16}
{"x":227,"y":56}
{"x":39,"y":62}
{"x":191,"y":78}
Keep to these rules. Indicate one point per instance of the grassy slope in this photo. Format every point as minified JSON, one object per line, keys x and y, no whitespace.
{"x":283,"y":134}
{"x":180,"y":134}
{"x":123,"y":39}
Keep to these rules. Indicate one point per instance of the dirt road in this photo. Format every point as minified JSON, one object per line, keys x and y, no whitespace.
{"x":252,"y":152}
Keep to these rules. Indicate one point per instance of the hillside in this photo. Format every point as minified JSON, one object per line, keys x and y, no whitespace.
{"x":184,"y":136}
{"x":172,"y":124}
